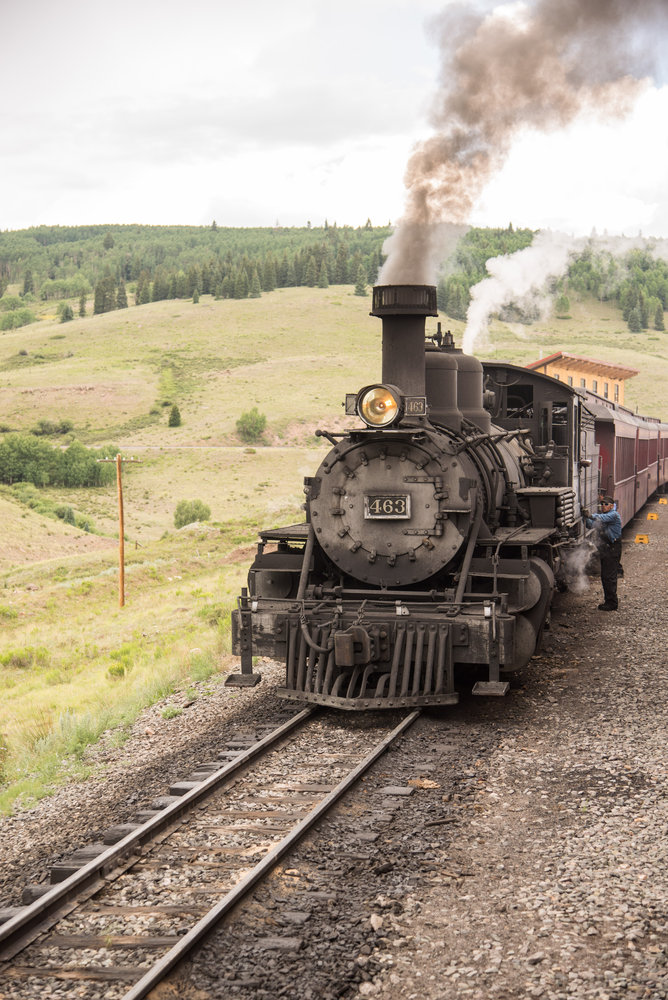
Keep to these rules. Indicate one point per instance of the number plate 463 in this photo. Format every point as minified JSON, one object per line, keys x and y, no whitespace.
{"x":387,"y":505}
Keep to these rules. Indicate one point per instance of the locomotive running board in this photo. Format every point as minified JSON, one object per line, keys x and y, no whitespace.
{"x":496,"y":688}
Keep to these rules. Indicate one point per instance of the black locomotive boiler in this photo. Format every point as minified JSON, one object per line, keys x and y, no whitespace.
{"x":433,"y":532}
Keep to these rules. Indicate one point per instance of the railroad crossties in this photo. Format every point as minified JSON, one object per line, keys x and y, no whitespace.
{"x":502,"y":848}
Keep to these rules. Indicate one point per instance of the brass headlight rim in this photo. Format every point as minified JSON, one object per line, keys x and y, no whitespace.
{"x":389,"y":390}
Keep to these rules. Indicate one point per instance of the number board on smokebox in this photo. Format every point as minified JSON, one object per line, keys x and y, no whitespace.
{"x":387,"y":505}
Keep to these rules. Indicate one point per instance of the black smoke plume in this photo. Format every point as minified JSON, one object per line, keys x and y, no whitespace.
{"x":535,"y":66}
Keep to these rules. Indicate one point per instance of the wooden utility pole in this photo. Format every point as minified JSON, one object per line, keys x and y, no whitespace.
{"x":121,"y":523}
{"x":121,"y":532}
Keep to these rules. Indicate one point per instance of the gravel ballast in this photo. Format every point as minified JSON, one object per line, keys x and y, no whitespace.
{"x":530,"y":860}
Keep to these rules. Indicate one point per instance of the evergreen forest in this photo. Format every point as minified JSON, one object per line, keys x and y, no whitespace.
{"x":111,"y":267}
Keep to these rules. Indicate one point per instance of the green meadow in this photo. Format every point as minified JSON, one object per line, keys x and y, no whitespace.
{"x":73,"y":664}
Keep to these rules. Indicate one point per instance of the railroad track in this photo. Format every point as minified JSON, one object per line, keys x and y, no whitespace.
{"x":121,"y":921}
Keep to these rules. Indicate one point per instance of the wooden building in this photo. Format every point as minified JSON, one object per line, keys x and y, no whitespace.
{"x":602,"y":377}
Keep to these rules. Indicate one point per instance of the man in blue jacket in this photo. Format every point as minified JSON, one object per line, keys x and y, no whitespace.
{"x":609,"y":527}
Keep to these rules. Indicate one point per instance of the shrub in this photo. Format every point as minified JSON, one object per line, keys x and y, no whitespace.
{"x":45,"y":428}
{"x":251,"y":425}
{"x":65,"y":514}
{"x":171,"y":712}
{"x":8,"y":303}
{"x":23,"y":659}
{"x":174,"y":416}
{"x":17,"y":317}
{"x":189,"y":511}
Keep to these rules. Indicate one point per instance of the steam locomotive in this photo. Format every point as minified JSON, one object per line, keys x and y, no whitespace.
{"x":435,"y":532}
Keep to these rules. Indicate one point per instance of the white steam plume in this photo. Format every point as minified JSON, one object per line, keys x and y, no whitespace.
{"x":520,"y":278}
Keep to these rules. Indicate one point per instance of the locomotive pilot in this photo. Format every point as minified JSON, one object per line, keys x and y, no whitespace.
{"x":609,"y":527}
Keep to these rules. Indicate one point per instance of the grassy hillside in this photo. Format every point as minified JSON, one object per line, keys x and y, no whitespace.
{"x":293,"y":354}
{"x":72,"y":663}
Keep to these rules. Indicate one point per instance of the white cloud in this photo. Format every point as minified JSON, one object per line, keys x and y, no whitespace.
{"x":590,"y":175}
{"x":155,"y":111}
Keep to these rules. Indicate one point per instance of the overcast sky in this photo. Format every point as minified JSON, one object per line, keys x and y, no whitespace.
{"x":257,"y":111}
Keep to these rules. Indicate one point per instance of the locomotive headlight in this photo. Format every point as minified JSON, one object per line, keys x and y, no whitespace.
{"x":379,"y":405}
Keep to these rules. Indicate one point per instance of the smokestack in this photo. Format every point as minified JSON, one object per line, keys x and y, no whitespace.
{"x":403,"y":310}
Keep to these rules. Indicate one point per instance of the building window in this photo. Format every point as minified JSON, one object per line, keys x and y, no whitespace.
{"x":583,"y":383}
{"x":570,"y":380}
{"x":605,"y":390}
{"x":558,"y":377}
{"x":594,"y":384}
{"x":616,"y":393}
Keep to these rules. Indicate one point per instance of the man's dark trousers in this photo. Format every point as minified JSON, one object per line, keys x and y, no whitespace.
{"x":611,"y":553}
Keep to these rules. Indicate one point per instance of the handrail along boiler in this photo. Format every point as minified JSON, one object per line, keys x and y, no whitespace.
{"x":433,"y":531}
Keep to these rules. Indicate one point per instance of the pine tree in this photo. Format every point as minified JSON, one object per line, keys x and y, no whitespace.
{"x":354,"y":263}
{"x":298,"y":267}
{"x":193,"y":279}
{"x":143,"y":293}
{"x":658,"y":318}
{"x":341,"y":273}
{"x":635,"y":320}
{"x":174,"y":417}
{"x":195,"y":295}
{"x":255,"y":287}
{"x":562,"y":306}
{"x":82,"y":304}
{"x":28,"y":282}
{"x":121,"y":296}
{"x":98,"y":299}
{"x":323,"y":277}
{"x":360,"y":286}
{"x":160,"y":286}
{"x":310,"y":276}
{"x":282,"y":273}
{"x":269,"y":274}
{"x":181,"y":285}
{"x":241,"y":284}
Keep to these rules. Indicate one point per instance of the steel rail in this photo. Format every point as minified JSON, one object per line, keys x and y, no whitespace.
{"x":176,"y":954}
{"x":17,"y":932}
